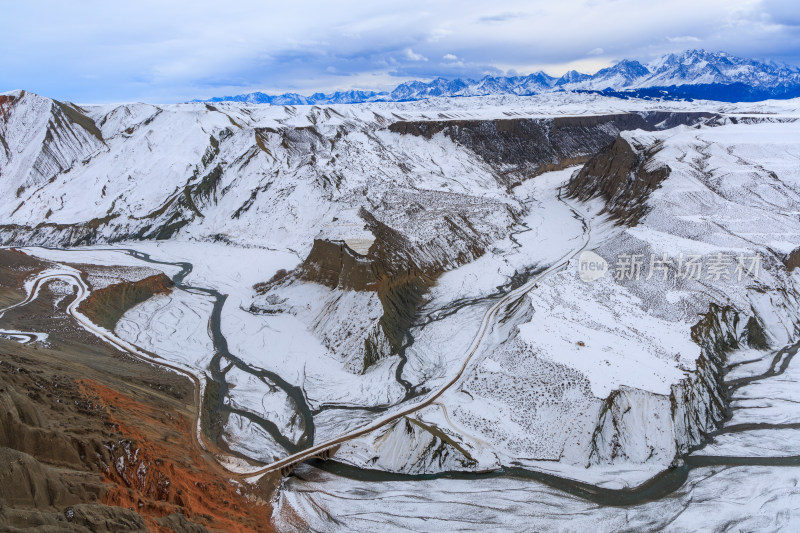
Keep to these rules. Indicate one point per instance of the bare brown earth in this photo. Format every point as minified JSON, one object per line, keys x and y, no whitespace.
{"x":106,"y":306}
{"x":5,"y":104}
{"x":15,"y":266}
{"x":165,"y":476}
{"x":92,"y":439}
{"x":389,"y":268}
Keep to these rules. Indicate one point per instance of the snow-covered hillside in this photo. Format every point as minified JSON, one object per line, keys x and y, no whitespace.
{"x":414,"y":267}
{"x":611,"y":381}
{"x":628,"y":369}
{"x":278,"y":176}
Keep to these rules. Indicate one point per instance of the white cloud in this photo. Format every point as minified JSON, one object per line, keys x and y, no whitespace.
{"x":182,"y":49}
{"x":684,"y":39}
{"x":410,"y":54}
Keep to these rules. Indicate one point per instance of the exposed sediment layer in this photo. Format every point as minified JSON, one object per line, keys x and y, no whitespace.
{"x":106,"y":306}
{"x":335,"y":265}
{"x":623,"y":176}
{"x":400,"y":287}
{"x":792,"y":260}
{"x":637,"y":426}
{"x":529,"y":147}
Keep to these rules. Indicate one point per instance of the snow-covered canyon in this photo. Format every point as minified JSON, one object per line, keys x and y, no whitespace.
{"x":424,"y":257}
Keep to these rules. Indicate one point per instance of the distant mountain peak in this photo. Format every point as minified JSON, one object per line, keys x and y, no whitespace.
{"x":693,"y":73}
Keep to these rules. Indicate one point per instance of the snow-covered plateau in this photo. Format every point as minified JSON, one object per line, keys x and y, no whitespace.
{"x":404,"y":282}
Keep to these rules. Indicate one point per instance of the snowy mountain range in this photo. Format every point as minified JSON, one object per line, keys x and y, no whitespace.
{"x":692,"y":74}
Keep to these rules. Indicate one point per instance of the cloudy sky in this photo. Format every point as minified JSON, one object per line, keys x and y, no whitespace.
{"x":166,"y":51}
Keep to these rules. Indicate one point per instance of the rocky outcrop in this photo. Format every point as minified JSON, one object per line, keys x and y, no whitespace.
{"x":622,"y":175}
{"x":398,"y":270}
{"x":61,"y":132}
{"x":335,"y":265}
{"x":389,"y":269}
{"x":106,"y":306}
{"x":792,"y":260}
{"x":413,"y":446}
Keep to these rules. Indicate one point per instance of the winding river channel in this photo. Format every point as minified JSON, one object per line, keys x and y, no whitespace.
{"x":655,"y":488}
{"x":224,"y":360}
{"x":658,"y":487}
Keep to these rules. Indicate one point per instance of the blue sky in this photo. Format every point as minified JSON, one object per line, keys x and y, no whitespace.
{"x":167,"y":51}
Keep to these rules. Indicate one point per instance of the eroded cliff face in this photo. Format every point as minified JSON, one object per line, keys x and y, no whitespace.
{"x":523,"y":148}
{"x":41,"y":138}
{"x":370,"y":339}
{"x":413,"y":446}
{"x":623,"y":176}
{"x":792,"y":260}
{"x":756,"y":312}
{"x":637,"y":426}
{"x":106,"y":306}
{"x":417,"y":236}
{"x":397,"y":272}
{"x":336,"y":265}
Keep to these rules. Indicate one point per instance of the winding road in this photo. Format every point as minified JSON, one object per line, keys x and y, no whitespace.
{"x":73,"y":277}
{"x":508,"y":301}
{"x":657,"y":487}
